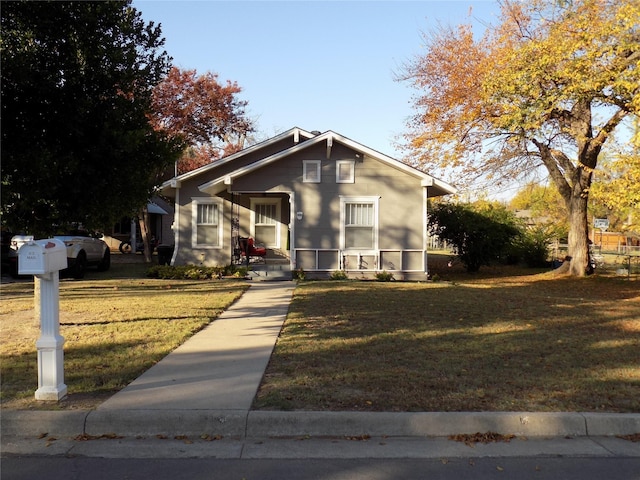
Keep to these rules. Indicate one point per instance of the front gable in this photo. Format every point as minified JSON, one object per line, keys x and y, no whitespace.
{"x":340,"y":152}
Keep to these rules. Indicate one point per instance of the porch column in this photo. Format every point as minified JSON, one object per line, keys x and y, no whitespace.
{"x":292,"y":230}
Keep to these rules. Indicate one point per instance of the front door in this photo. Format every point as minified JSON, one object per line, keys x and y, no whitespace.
{"x":265,"y":221}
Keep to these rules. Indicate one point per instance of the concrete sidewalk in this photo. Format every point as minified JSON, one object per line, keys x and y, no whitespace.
{"x":205,"y":388}
{"x":219,"y":368}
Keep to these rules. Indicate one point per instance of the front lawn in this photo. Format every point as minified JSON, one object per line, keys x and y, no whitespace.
{"x":115,"y":327}
{"x":519,"y":343}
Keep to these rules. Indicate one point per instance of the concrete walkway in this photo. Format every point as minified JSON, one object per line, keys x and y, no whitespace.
{"x":219,"y":368}
{"x":205,"y":389}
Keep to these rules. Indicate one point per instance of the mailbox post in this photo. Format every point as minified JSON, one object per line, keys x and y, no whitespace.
{"x":45,"y":259}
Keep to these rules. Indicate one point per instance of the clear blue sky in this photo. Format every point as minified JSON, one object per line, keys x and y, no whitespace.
{"x":318,"y":65}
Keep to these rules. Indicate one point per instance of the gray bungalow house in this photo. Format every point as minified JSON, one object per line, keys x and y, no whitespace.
{"x":314,"y":201}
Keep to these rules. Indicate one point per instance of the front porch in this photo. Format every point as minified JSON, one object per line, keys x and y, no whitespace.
{"x":274,"y":265}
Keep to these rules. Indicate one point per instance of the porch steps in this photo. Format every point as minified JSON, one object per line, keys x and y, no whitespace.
{"x":270,"y":272}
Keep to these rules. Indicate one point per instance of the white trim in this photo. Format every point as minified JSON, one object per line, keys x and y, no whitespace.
{"x":425,"y":229}
{"x":292,"y":230}
{"x":308,"y":166}
{"x":375,"y":201}
{"x":352,"y":171}
{"x":195,"y":201}
{"x":278,"y":225}
{"x":175,"y":226}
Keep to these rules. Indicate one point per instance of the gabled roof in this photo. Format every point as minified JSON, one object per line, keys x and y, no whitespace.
{"x":437,"y":187}
{"x":294,"y":132}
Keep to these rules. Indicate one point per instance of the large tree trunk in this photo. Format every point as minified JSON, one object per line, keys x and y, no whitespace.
{"x":578,"y":235}
{"x":578,"y":221}
{"x":143,"y":218}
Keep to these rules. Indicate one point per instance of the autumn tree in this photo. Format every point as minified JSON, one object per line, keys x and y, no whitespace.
{"x":77,"y":146}
{"x":545,"y":87}
{"x":207,"y":116}
{"x":618,"y":189}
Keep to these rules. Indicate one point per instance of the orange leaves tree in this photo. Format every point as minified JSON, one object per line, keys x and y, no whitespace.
{"x":203,"y":113}
{"x":546,"y":87}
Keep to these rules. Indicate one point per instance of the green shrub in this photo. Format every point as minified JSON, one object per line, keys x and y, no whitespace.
{"x":339,"y":275}
{"x":384,"y":276}
{"x":479,"y":235}
{"x":299,"y":274}
{"x":194,"y":272}
{"x":531,"y":246}
{"x":239,"y":272}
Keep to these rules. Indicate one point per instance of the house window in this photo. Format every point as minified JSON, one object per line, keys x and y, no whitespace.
{"x":359,"y":222}
{"x":265,"y":221}
{"x":207,"y":223}
{"x":345,"y":171}
{"x":311,"y":171}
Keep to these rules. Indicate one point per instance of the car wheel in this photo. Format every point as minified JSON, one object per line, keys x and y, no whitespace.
{"x":80,"y":265}
{"x":13,"y":270}
{"x":125,"y":247}
{"x":105,"y":263}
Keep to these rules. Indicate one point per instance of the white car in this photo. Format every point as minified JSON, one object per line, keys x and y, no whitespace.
{"x":82,"y":251}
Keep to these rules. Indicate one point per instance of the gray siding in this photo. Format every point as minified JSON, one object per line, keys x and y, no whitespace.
{"x":400,"y":206}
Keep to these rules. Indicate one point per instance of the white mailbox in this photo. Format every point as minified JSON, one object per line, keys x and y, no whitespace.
{"x":40,"y":257}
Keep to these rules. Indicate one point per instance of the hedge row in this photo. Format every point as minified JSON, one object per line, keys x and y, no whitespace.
{"x":195,"y":272}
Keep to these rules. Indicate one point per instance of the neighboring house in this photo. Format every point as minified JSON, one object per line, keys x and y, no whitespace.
{"x":160,"y":220}
{"x":532,"y":221}
{"x":319,"y":202}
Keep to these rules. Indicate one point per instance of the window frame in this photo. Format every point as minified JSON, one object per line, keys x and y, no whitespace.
{"x":371,"y":200}
{"x":196,"y":202}
{"x":278,"y":223}
{"x":311,"y":166}
{"x":352,"y":171}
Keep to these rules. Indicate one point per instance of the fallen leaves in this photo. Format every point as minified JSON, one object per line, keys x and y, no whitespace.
{"x":358,"y":438}
{"x":634,"y":437}
{"x":487,"y":437}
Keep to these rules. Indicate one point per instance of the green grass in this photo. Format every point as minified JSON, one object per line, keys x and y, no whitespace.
{"x":520,"y":343}
{"x":501,"y":340}
{"x":116,"y":325}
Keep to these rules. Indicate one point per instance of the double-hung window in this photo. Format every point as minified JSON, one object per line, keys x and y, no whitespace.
{"x":359,"y":222}
{"x":207,"y":223}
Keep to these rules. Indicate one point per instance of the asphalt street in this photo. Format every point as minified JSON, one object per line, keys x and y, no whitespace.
{"x":83,"y":468}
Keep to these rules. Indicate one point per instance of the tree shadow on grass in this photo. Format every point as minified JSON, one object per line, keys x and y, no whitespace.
{"x":540,"y":345}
